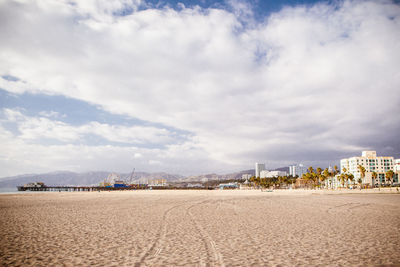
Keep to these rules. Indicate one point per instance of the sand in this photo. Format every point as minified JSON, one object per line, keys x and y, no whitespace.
{"x":199,"y":228}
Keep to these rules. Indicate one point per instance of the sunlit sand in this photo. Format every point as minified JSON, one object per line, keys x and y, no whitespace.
{"x":200,"y":228}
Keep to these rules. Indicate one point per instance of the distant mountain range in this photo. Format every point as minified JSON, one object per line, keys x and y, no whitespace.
{"x":72,"y":178}
{"x":94,"y":178}
{"x":213,"y":176}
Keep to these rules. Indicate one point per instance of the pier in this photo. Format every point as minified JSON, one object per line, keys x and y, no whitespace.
{"x":78,"y":188}
{"x":103,"y":188}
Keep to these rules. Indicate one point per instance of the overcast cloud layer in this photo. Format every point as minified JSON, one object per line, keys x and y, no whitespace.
{"x":209,"y":90}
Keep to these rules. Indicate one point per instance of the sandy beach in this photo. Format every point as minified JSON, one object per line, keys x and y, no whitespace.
{"x":199,"y":228}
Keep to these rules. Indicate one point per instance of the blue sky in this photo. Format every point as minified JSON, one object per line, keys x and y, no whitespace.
{"x":262,"y":9}
{"x":77,"y":113}
{"x":193,"y":87}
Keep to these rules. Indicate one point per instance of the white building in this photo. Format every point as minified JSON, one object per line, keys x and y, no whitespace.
{"x":297,"y":170}
{"x":272,"y":174}
{"x":246,"y":176}
{"x":397,"y":165}
{"x":397,"y":170}
{"x":158,"y":182}
{"x":371,"y":163}
{"x":259,"y":167}
{"x":195,"y":185}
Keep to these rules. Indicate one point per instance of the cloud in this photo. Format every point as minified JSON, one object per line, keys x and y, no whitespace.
{"x":43,"y":127}
{"x":306,"y":84}
{"x":21,"y":155}
{"x":51,"y":114}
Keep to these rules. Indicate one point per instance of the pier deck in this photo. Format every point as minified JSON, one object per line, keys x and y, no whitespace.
{"x":78,"y":188}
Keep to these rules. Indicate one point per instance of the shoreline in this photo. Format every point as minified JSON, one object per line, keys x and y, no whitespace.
{"x":300,"y":191}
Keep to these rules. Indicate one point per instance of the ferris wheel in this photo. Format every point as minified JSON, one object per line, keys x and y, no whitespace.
{"x":112,"y":177}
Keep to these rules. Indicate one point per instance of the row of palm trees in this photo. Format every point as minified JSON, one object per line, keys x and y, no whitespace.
{"x":388,"y":175}
{"x":280,"y":181}
{"x":318,"y":177}
{"x":312,"y":177}
{"x":345,"y":177}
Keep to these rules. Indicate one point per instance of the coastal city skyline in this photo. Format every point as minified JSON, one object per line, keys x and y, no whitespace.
{"x":196,"y":87}
{"x":199,"y":132}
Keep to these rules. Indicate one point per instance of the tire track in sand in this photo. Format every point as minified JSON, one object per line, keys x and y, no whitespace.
{"x":347,"y":207}
{"x":155,"y":248}
{"x":213,"y":255}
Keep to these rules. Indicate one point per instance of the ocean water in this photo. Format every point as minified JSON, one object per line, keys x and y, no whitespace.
{"x":8,"y":190}
{"x":14,"y":190}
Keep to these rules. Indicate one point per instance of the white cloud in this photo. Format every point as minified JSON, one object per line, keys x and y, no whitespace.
{"x":51,"y":114}
{"x":42,"y":127}
{"x":307,"y":80}
{"x":22,"y":156}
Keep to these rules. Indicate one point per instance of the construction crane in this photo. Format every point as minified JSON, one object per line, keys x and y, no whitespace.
{"x":131,"y":176}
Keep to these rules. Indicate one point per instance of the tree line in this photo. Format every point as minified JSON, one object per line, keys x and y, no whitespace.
{"x":318,"y":177}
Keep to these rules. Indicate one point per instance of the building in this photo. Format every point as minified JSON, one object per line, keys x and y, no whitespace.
{"x":333,"y":182}
{"x":34,"y":184}
{"x":372,"y":163}
{"x":272,"y":174}
{"x":397,"y":170}
{"x":259,"y":167}
{"x":301,"y":183}
{"x":228,"y":186}
{"x":158,"y":182}
{"x":298,"y":170}
{"x":246,"y":176}
{"x":263,"y":174}
{"x":397,"y":165}
{"x":198,"y":185}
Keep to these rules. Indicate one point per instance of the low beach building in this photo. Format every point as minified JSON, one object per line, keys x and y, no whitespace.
{"x":198,"y":185}
{"x":158,"y":182}
{"x":301,"y":183}
{"x":228,"y":186}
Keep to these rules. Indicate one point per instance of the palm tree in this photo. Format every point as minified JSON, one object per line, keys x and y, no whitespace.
{"x":389,"y":175}
{"x":309,"y":177}
{"x":343,"y":178}
{"x":257,"y":181}
{"x":335,"y":170}
{"x":344,"y":170}
{"x":362,"y":172}
{"x":347,"y":177}
{"x":310,"y":169}
{"x":374,"y":175}
{"x":263,"y":182}
{"x":326,"y":174}
{"x":318,"y":176}
{"x":350,"y":177}
{"x":252,"y":179}
{"x":305,"y":177}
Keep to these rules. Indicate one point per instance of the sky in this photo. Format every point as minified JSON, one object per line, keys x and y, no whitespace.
{"x":195,"y":87}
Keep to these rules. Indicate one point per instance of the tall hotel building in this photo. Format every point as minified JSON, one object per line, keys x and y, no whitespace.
{"x":259,"y":167}
{"x":297,"y":170}
{"x":371,"y":163}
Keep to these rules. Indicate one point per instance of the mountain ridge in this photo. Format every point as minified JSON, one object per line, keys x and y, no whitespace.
{"x":95,"y":177}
